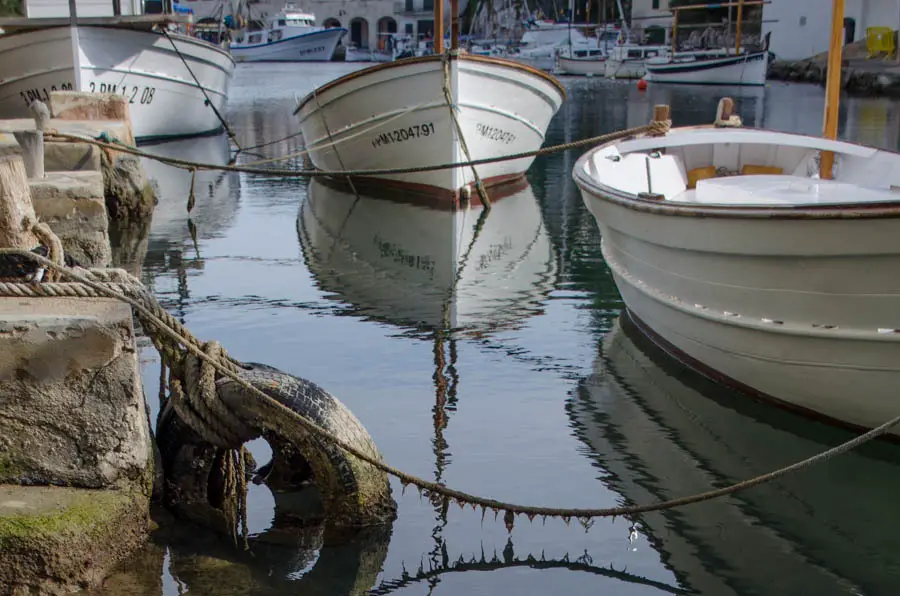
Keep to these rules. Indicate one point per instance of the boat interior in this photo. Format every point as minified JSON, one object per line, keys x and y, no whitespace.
{"x":743,"y":167}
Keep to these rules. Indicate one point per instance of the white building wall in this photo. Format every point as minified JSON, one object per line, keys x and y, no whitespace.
{"x":802,"y":28}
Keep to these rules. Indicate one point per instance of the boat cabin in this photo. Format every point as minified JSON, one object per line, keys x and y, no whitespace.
{"x":742,"y":167}
{"x":288,"y":22}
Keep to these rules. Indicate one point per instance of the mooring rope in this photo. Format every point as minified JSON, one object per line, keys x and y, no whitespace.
{"x":655,"y":128}
{"x":167,"y":336}
{"x":209,"y":101}
{"x":451,"y":105}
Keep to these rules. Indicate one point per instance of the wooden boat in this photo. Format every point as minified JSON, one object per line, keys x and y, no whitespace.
{"x":397,"y":115}
{"x":715,"y":67}
{"x":765,"y":259}
{"x":660,"y":431}
{"x":429,"y":268}
{"x":291,"y":36}
{"x":582,"y":62}
{"x":169,"y":81}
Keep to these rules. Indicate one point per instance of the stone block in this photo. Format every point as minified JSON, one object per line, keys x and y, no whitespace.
{"x":77,"y":105}
{"x":72,"y":204}
{"x":71,"y":157}
{"x":72,"y":409}
{"x":56,"y":540}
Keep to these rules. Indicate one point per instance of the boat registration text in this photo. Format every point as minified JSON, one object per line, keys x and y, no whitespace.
{"x":133,"y":93}
{"x":415,"y":131}
{"x":42,"y":94}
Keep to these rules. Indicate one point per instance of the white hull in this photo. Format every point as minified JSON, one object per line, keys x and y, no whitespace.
{"x":317,"y":46}
{"x":584,"y":67}
{"x":747,"y":69}
{"x":794,"y":301}
{"x":398,"y":262}
{"x":661,"y":432}
{"x":624,"y":69}
{"x":503,"y":109}
{"x":541,"y":62}
{"x":164,"y":101}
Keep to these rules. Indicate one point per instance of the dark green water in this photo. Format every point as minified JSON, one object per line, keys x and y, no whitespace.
{"x":542,"y":395}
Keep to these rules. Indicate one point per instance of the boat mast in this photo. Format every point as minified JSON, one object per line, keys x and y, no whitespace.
{"x":438,"y":26}
{"x":454,"y":24}
{"x":833,"y":86}
{"x":737,"y":35}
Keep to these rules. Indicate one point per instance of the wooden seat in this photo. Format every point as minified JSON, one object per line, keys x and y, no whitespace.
{"x":697,"y":174}
{"x":750,"y":169}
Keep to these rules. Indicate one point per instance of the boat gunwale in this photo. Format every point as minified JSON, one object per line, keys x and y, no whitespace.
{"x":173,"y":35}
{"x":512,"y":64}
{"x":588,"y":184}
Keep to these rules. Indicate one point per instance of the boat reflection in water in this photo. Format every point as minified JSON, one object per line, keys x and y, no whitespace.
{"x":661,"y":431}
{"x":216,"y":192}
{"x":427,"y":268}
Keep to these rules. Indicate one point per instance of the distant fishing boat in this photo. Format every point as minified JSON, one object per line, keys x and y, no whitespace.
{"x":764,"y":259}
{"x":291,"y":35}
{"x":711,"y":67}
{"x":169,"y":80}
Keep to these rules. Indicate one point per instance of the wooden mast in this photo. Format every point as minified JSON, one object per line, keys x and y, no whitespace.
{"x":737,"y":35}
{"x":674,"y":33}
{"x":833,"y":86}
{"x":438,"y":26}
{"x":454,"y":24}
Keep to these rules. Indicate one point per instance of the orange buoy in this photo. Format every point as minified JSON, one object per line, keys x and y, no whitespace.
{"x":642,"y":85}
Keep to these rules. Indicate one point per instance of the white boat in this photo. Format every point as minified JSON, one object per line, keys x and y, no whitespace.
{"x":396,"y":115}
{"x":629,"y":61}
{"x":291,"y":36}
{"x":659,"y":432}
{"x":168,"y":81}
{"x":582,"y":62}
{"x":423,"y":267}
{"x":744,"y":68}
{"x":741,"y":259}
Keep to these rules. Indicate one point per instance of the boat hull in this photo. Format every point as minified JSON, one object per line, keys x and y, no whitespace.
{"x":624,"y":69}
{"x":362,"y":122}
{"x":164,"y":101}
{"x":798,"y":305}
{"x":318,"y":46}
{"x":586,"y":67}
{"x":748,"y":69}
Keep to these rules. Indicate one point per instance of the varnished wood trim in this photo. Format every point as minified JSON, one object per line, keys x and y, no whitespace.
{"x":428,"y":59}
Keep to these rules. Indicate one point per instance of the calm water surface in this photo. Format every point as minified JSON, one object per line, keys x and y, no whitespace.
{"x":541,"y":395}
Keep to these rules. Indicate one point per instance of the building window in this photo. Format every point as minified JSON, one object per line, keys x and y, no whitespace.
{"x":428,"y":5}
{"x":655,"y":4}
{"x":409,"y":28}
{"x":409,"y":6}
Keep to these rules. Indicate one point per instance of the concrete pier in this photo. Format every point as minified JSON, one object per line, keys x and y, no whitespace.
{"x":76,"y":453}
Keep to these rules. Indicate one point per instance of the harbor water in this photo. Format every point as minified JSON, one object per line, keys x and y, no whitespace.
{"x":528,"y":384}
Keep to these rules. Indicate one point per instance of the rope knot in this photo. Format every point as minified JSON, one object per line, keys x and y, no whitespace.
{"x":659,"y":128}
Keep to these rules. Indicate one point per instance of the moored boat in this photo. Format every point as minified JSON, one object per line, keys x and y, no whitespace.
{"x":169,"y":79}
{"x":290,"y":36}
{"x":730,"y":247}
{"x":588,"y":63}
{"x":725,"y":66}
{"x":630,"y":61}
{"x":703,"y":68}
{"x":362,"y":122}
{"x":762,"y":258}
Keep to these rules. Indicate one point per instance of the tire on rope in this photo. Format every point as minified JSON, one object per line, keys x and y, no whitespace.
{"x":354,"y":494}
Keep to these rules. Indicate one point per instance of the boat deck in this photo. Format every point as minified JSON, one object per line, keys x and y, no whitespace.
{"x":780,"y":190}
